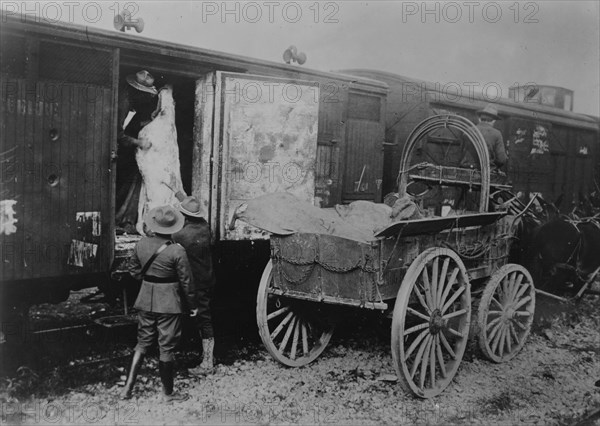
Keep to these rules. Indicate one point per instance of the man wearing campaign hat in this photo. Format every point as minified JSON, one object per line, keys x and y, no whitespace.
{"x":195,"y":237}
{"x":493,"y":140}
{"x":137,"y":96}
{"x":166,"y":293}
{"x":493,"y":137}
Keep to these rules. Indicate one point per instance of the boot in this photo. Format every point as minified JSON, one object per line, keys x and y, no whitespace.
{"x":207,"y":364}
{"x":136,"y":363}
{"x":166,"y":377}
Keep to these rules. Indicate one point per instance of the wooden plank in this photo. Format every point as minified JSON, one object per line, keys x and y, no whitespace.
{"x":437,"y":224}
{"x":204,"y":110}
{"x":10,"y":153}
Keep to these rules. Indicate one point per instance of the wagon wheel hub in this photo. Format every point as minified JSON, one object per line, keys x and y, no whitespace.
{"x":509,"y":313}
{"x":437,"y":322}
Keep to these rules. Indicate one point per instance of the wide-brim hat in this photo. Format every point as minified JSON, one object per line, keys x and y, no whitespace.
{"x":142,"y":80}
{"x":164,"y":220}
{"x":190,"y":206}
{"x":489,"y":110}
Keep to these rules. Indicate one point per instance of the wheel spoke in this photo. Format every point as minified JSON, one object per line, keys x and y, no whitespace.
{"x":418,"y":314}
{"x":511,"y":285}
{"x":287,"y":335}
{"x":421,"y":299}
{"x":434,"y":281}
{"x":419,"y":356}
{"x":497,"y":338}
{"x":442,"y":279}
{"x":454,"y":314}
{"x":416,"y":328}
{"x":492,"y":322}
{"x":505,"y":289}
{"x":456,"y":333}
{"x":449,"y":285}
{"x":500,"y":305}
{"x":304,"y":339}
{"x":495,"y":330}
{"x":447,"y":345}
{"x":295,"y":340}
{"x":278,"y":312}
{"x":440,"y":356}
{"x":518,"y":324}
{"x":425,"y":363}
{"x":490,"y":312}
{"x":508,"y":342}
{"x":453,"y":298}
{"x":427,"y":288}
{"x":432,"y":362}
{"x":281,"y":325}
{"x":513,"y":332}
{"x":522,"y":314}
{"x":518,"y":281}
{"x":522,"y":302}
{"x":415,"y":343}
{"x":522,"y":291}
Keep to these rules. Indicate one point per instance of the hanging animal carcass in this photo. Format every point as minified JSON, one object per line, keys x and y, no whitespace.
{"x":158,"y":158}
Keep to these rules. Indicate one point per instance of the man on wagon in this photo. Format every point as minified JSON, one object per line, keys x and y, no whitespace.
{"x":493,"y":140}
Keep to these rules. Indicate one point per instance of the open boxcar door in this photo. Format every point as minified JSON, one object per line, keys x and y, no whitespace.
{"x":256,"y":135}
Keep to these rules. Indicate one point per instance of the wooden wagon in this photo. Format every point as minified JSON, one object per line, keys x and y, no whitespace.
{"x":423,"y":272}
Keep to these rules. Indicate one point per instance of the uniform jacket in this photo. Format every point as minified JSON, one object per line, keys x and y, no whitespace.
{"x":172,"y":297}
{"x":495,"y":143}
{"x":195,"y":238}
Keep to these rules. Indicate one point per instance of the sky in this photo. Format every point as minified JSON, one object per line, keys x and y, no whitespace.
{"x":467,"y":43}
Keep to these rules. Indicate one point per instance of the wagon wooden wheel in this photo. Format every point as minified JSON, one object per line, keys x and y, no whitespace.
{"x":430,"y":326}
{"x":294,"y":331}
{"x":506,"y":312}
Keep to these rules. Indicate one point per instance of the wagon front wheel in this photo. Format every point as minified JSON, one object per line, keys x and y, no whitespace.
{"x":430,"y":326}
{"x":506,"y":312}
{"x":294,"y":332}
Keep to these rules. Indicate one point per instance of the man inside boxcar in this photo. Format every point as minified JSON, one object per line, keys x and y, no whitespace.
{"x":137,"y":96}
{"x":166,"y":293}
{"x":195,"y":238}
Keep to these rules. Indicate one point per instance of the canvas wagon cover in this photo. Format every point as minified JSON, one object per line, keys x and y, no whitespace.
{"x":283,"y":214}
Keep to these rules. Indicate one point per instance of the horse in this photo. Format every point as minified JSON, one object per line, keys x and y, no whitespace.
{"x":564,"y":253}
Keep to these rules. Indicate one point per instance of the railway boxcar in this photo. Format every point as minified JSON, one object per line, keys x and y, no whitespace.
{"x":552,"y":151}
{"x":244,"y":126}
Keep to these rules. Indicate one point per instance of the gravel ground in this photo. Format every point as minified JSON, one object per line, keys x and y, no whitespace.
{"x":554,"y":380}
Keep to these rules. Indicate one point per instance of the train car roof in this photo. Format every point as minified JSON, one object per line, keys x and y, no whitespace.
{"x":477,"y":101}
{"x":213,"y":59}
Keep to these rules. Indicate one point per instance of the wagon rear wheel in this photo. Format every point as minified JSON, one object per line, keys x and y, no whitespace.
{"x":506,"y":312}
{"x":430,"y":326}
{"x":294,"y":332}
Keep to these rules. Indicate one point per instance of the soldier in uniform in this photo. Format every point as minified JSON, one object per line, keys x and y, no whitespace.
{"x":166,"y":293}
{"x":195,"y":238}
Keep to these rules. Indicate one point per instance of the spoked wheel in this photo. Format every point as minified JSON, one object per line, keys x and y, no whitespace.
{"x":294,"y":332}
{"x":506,"y":312}
{"x":430,"y":326}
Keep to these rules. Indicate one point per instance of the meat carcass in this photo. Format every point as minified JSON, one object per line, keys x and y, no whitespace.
{"x":157,"y":158}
